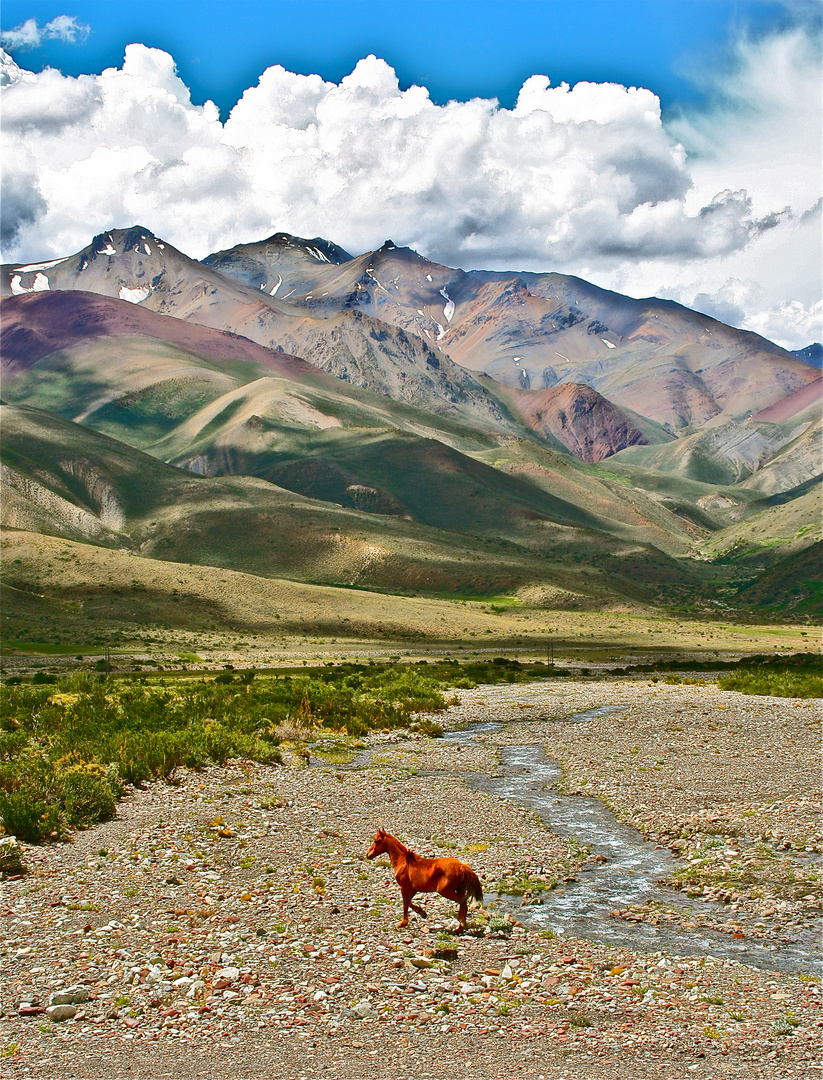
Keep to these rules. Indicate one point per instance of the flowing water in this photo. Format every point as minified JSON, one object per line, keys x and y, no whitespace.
{"x":630,"y":874}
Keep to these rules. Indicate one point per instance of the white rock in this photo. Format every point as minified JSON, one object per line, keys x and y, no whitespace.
{"x":71,"y":995}
{"x":61,"y":1012}
{"x":507,"y":972}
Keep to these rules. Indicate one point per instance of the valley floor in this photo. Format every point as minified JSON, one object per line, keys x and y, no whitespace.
{"x":229,"y":925}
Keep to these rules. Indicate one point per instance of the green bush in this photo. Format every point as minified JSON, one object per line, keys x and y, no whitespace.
{"x":87,"y":795}
{"x":11,"y":858}
{"x":800,"y":676}
{"x":30,"y":816}
{"x":430,"y":728}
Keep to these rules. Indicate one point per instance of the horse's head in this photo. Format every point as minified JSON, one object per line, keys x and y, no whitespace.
{"x":380,"y":845}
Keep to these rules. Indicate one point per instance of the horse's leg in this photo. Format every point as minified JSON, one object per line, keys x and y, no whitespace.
{"x":451,"y":893}
{"x":410,"y":893}
{"x":463,"y":914}
{"x":407,"y":898}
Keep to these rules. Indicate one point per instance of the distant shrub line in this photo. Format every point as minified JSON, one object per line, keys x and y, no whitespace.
{"x":802,"y":663}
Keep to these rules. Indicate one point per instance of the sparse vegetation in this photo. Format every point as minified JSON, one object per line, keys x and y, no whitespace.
{"x":799,"y":676}
{"x":67,"y":747}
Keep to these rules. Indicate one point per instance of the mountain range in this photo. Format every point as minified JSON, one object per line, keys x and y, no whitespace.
{"x":288,"y":409}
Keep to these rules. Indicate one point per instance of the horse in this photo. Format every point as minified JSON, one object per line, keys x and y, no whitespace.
{"x":414,"y":873}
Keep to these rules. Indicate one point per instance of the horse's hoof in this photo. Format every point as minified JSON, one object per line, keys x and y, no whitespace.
{"x":402,"y":923}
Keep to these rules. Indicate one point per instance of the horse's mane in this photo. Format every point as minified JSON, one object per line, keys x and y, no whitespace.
{"x":411,"y":855}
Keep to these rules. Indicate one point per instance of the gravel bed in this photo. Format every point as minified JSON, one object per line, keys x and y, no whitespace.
{"x":229,"y":925}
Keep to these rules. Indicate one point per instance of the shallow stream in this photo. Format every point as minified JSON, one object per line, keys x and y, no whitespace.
{"x":630,"y":874}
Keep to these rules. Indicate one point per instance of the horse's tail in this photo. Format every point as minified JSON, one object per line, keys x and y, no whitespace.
{"x":470,"y":886}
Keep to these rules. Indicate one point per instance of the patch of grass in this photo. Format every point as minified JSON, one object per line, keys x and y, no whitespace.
{"x":442,"y":842}
{"x":525,"y":884}
{"x":802,"y":678}
{"x":786,"y":1025}
{"x":47,"y":648}
{"x":11,"y":860}
{"x":499,"y":925}
{"x":580,"y":1020}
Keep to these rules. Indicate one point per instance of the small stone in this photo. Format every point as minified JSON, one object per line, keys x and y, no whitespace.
{"x":71,"y":995}
{"x":61,"y":1012}
{"x":422,"y":962}
{"x":230,"y":973}
{"x":363,"y":1010}
{"x":507,"y":972}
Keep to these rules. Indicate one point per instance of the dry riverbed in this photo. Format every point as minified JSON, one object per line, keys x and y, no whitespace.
{"x":229,"y":925}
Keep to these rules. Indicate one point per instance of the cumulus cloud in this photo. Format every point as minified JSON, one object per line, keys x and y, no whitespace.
{"x":760,"y":130}
{"x":569,"y":170}
{"x":585,"y":179}
{"x":30,"y":35}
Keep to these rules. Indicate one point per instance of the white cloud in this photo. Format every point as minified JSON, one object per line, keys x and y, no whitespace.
{"x":30,"y":35}
{"x":584,"y":180}
{"x":761,"y":130}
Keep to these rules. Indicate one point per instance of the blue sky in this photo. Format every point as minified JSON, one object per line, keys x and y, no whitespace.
{"x":655,"y":147}
{"x":457,"y":50}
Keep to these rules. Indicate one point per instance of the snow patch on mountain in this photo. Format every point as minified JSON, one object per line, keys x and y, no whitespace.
{"x":134,"y":296}
{"x":37,"y":266}
{"x":41,"y":284}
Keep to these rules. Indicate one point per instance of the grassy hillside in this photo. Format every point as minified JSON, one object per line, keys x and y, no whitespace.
{"x":63,"y":479}
{"x":792,"y":585}
{"x":200,"y":448}
{"x":61,"y":595}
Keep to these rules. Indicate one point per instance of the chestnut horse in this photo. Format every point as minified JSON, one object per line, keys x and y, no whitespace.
{"x":414,"y":874}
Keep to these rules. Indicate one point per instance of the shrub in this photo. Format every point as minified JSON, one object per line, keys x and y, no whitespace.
{"x":29,"y":816}
{"x":800,"y":676}
{"x":67,"y":749}
{"x":87,"y":795}
{"x":11,"y":859}
{"x":430,"y":728}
